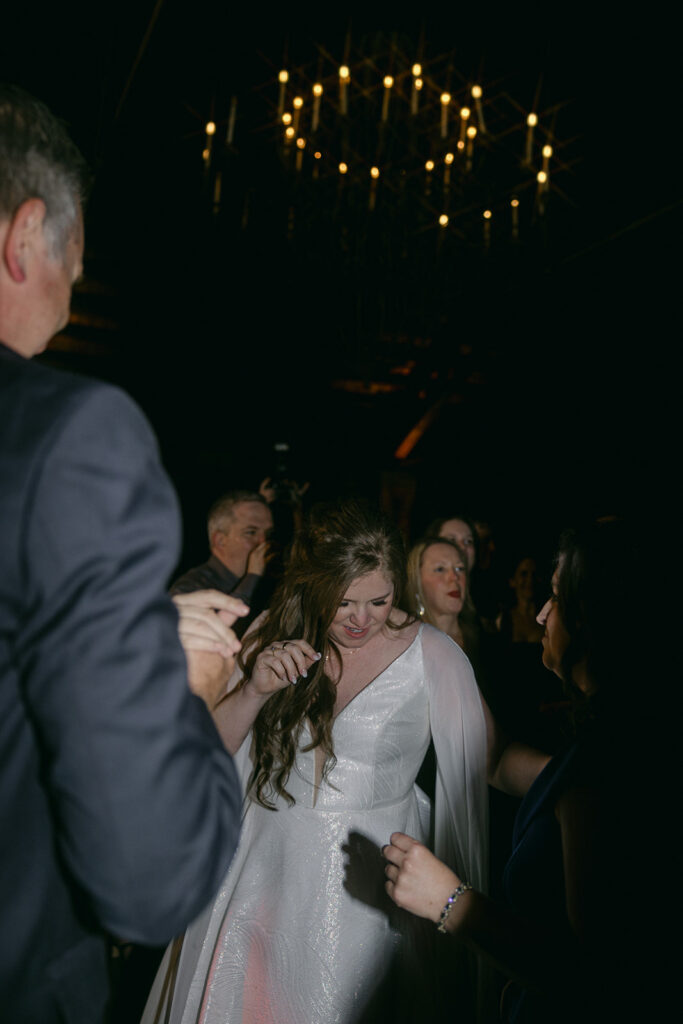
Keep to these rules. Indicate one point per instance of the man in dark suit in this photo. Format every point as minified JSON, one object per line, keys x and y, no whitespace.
{"x":119,"y":806}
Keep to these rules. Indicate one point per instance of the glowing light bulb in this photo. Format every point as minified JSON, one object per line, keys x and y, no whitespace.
{"x":297,"y":102}
{"x":317,"y":155}
{"x":289,"y":132}
{"x":417,"y":70}
{"x":449,"y":158}
{"x":460,"y":144}
{"x":445,"y":98}
{"x":344,"y":72}
{"x":476,"y":92}
{"x":532,"y":120}
{"x":317,"y":89}
{"x":514,"y":203}
{"x":541,"y":177}
{"x":374,"y":172}
{"x":471,"y":132}
{"x":547,"y":151}
{"x":465,"y":113}
{"x":487,"y":215}
{"x":210,"y":128}
{"x":283,"y":76}
{"x":443,"y":220}
{"x":343,"y":168}
{"x":418,"y":84}
{"x":287,"y":118}
{"x":429,"y":166}
{"x":388,"y":81}
{"x":301,"y":143}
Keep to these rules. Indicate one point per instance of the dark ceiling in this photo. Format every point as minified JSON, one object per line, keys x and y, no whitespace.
{"x":540,"y":366}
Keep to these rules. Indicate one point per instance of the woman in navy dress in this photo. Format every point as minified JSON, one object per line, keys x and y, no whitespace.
{"x":570,"y":938}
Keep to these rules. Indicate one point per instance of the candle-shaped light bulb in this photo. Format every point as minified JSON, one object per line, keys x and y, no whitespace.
{"x":464,"y":117}
{"x":448,"y":159}
{"x":443,"y":220}
{"x":210,"y":128}
{"x":471,"y":132}
{"x":289,"y":132}
{"x":344,"y":79}
{"x":374,"y":174}
{"x":541,"y":177}
{"x":417,"y":70}
{"x":317,"y":93}
{"x":343,"y":168}
{"x":531,"y":122}
{"x":286,"y":118}
{"x":429,"y":166}
{"x":283,"y":78}
{"x":487,"y":228}
{"x":514,"y":203}
{"x":297,"y":103}
{"x":476,"y":96}
{"x":547,"y":153}
{"x":388,"y":82}
{"x":445,"y":100}
{"x":300,"y":145}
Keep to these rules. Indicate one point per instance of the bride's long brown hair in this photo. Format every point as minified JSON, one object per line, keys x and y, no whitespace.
{"x":340,"y":543}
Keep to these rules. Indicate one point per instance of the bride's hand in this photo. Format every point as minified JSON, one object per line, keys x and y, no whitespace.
{"x":281,"y":664}
{"x":418,"y":881}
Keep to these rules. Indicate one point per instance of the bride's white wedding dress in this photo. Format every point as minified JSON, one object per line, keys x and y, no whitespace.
{"x":301,"y":931}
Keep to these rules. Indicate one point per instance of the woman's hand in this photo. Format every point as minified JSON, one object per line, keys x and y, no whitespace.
{"x":280,"y":664}
{"x":418,"y":881}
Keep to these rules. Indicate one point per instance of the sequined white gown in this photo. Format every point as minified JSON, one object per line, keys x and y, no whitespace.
{"x":301,"y":931}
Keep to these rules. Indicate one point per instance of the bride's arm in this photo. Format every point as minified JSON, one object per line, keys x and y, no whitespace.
{"x":277,"y":666}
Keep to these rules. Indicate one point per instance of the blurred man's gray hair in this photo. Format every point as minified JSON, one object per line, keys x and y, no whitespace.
{"x":38,"y":160}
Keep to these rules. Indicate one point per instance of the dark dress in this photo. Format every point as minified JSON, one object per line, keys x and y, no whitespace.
{"x":534,"y":882}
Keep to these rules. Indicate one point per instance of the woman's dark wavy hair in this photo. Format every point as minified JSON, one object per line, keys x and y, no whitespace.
{"x":595,"y":602}
{"x":341,"y":542}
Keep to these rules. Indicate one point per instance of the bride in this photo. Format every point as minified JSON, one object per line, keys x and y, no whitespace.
{"x":329,"y":716}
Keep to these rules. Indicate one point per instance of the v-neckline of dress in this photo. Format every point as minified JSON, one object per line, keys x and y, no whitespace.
{"x":379,"y":675}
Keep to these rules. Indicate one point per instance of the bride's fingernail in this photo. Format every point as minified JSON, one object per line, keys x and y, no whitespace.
{"x":304,"y":674}
{"x":292,"y":679}
{"x":318,"y":656}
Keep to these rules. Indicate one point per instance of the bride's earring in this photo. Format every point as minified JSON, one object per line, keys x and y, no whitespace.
{"x":420,"y":606}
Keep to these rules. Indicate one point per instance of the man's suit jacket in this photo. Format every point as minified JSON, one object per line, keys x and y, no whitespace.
{"x":119,"y":806}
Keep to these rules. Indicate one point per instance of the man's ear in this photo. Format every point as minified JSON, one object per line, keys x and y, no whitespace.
{"x":217,"y":540}
{"x":23,"y":238}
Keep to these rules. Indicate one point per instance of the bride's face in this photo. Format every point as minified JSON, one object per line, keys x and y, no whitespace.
{"x":363,"y":611}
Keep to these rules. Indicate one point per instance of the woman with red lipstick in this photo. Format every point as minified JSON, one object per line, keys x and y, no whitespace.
{"x":329,"y":718}
{"x":438,"y":591}
{"x":573,"y":919}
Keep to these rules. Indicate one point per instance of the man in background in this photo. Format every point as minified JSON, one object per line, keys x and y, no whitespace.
{"x":239,"y":525}
{"x":119,"y":807}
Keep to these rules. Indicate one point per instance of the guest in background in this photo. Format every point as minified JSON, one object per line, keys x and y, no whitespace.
{"x":239,"y":525}
{"x":437,"y":591}
{"x":459,"y":529}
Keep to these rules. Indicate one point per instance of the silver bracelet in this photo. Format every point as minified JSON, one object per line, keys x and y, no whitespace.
{"x":450,"y":903}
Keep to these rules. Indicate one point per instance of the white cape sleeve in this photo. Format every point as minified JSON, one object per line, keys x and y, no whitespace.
{"x":459,"y":733}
